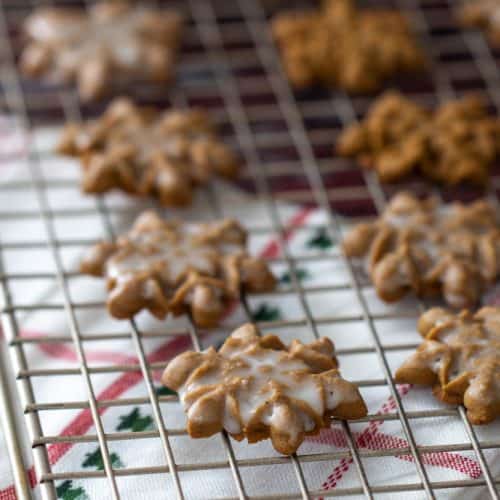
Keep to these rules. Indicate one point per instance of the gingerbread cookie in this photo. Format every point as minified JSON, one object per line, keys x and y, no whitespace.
{"x":175,"y":267}
{"x":456,"y":143}
{"x":145,"y":153}
{"x":258,"y":388}
{"x":420,"y":246}
{"x":483,"y":14}
{"x":112,"y":41}
{"x":460,"y":358}
{"x":342,"y":46}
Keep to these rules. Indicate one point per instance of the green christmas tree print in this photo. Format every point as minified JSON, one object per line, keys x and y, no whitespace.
{"x":96,"y":461}
{"x":135,"y":422}
{"x":165,"y":391}
{"x":320,"y":240}
{"x":266,"y":312}
{"x":67,"y":491}
{"x":302,"y":274}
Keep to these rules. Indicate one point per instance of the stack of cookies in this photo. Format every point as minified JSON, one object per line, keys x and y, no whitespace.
{"x":254,"y":386}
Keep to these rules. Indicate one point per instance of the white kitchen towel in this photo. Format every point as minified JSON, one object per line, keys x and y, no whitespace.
{"x":327,"y":295}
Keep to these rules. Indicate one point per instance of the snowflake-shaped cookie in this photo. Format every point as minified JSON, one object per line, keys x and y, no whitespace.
{"x":145,"y":153}
{"x":484,"y":14}
{"x":460,"y":358}
{"x":112,"y":41}
{"x":258,"y":388}
{"x":449,"y":250}
{"x":342,"y":46}
{"x":456,"y":143}
{"x":175,"y":267}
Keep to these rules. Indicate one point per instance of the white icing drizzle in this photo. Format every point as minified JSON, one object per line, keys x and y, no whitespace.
{"x":433,"y":233}
{"x":148,"y":139}
{"x":259,"y":375}
{"x":430,"y":220}
{"x":81,"y":37}
{"x":171,"y":257}
{"x":477,"y":346}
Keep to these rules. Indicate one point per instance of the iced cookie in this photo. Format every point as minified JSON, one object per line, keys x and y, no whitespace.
{"x":112,"y":41}
{"x":146,"y":153}
{"x":258,"y":388}
{"x":430,"y":249}
{"x":460,"y":358}
{"x":175,"y":267}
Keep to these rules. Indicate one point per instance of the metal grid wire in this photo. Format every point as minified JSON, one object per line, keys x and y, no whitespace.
{"x":285,"y":139}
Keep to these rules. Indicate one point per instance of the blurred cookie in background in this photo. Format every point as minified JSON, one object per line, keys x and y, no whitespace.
{"x":343,"y":46}
{"x":96,"y":48}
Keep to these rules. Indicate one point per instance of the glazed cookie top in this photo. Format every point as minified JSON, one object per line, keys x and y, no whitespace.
{"x":173,"y":248}
{"x":112,"y":39}
{"x":460,"y":353}
{"x":342,"y":46}
{"x":429,"y":248}
{"x":257,"y":381}
{"x":458,"y":142}
{"x":171,"y":266}
{"x":144,"y":152}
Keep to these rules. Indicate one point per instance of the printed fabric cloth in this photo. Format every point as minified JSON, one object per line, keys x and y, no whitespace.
{"x":325,"y":279}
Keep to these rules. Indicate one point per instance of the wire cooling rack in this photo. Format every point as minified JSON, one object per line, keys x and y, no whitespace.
{"x":230,"y":65}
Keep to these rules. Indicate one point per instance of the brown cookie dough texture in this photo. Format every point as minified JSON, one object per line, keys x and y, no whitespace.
{"x":458,"y":142}
{"x":258,"y":388}
{"x":175,"y":267}
{"x":483,"y":14}
{"x":147,"y":153}
{"x":342,"y":46}
{"x":112,"y":41}
{"x":460,"y":358}
{"x":431,"y":249}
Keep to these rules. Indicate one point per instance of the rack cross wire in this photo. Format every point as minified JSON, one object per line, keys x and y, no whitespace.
{"x":230,"y":65}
